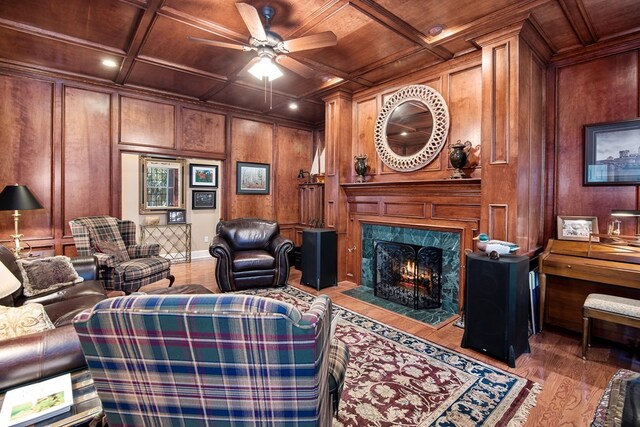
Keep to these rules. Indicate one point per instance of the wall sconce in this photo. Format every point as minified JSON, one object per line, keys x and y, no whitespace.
{"x":301,"y":175}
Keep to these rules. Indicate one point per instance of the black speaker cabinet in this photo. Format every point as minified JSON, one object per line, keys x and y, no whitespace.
{"x":319,"y":257}
{"x":496,"y":306}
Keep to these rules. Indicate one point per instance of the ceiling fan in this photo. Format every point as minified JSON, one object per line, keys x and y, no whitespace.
{"x":270,"y":46}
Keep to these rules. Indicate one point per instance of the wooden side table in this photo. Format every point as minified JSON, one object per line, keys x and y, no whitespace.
{"x":174,"y":240}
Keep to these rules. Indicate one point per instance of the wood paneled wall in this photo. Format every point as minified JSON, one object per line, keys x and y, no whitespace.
{"x":601,"y":90}
{"x":460,"y":84}
{"x":596,"y":90}
{"x":63,"y":139}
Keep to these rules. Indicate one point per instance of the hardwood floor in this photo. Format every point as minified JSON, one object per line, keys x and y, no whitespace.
{"x":571,"y":387}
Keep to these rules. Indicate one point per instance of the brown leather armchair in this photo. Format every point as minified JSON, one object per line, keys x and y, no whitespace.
{"x":42,"y":354}
{"x":250,"y":253}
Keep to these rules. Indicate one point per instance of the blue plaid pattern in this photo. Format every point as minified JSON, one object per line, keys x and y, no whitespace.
{"x":226,"y":358}
{"x":143,"y":265}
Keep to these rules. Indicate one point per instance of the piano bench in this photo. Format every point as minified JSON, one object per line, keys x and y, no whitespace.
{"x":623,"y":311}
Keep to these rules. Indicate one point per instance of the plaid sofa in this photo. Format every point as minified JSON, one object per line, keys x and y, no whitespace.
{"x":132,"y":266}
{"x":225,"y":358}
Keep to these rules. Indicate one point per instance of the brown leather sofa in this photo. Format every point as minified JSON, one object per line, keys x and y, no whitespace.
{"x":250,"y":253}
{"x":40,"y":355}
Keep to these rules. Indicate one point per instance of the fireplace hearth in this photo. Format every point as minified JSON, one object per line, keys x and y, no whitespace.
{"x":408,"y":274}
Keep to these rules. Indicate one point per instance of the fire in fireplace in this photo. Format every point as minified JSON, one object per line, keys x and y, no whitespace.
{"x":408,"y":274}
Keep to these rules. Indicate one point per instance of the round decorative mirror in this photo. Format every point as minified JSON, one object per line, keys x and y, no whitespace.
{"x":411,"y":128}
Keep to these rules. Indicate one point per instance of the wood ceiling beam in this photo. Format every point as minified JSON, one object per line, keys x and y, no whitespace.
{"x":333,"y":71}
{"x":203,"y":25}
{"x":397,"y":25}
{"x":145,"y":23}
{"x":576,"y":14}
{"x":489,"y":23}
{"x":28,"y":29}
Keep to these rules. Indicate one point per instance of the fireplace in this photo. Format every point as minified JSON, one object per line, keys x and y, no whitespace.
{"x":447,"y":241}
{"x":408,"y":274}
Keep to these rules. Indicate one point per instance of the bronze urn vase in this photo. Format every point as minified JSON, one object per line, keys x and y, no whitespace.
{"x":458,"y":154}
{"x":360,"y":165}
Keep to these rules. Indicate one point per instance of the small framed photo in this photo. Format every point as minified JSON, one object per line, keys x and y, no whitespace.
{"x":577,"y":228}
{"x":252,"y":178}
{"x":203,"y":175}
{"x":611,"y":153}
{"x":177,"y":216}
{"x":203,"y":199}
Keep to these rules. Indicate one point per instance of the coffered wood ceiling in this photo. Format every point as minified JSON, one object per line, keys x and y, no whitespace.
{"x":377,"y":41}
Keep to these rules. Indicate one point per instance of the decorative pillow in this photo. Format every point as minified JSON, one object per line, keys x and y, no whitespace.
{"x":8,"y":282}
{"x":24,"y":320}
{"x":44,"y":275}
{"x":112,"y":248}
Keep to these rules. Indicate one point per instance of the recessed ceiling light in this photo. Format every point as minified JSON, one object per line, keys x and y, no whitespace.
{"x":436,"y":29}
{"x":404,"y":133}
{"x":109,"y":63}
{"x":293,"y":106}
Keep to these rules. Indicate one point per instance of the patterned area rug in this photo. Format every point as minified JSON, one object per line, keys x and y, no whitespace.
{"x":397,"y":379}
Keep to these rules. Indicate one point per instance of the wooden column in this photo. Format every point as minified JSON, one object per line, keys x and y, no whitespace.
{"x":338,"y":119}
{"x":513,"y":123}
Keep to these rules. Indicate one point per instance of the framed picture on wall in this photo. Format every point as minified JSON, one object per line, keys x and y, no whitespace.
{"x":203,"y":199}
{"x":177,"y":216}
{"x":611,"y":155}
{"x":203,"y":175}
{"x":577,"y":228}
{"x":252,"y":178}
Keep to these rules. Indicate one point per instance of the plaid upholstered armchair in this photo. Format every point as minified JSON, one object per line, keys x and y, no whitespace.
{"x":123,"y":264}
{"x":228,"y":359}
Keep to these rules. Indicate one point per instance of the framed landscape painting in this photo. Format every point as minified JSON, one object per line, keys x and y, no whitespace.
{"x":203,"y":175}
{"x":611,"y":155}
{"x":252,"y":178}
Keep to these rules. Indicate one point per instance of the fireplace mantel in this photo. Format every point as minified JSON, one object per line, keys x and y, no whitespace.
{"x":447,"y":205}
{"x":455,"y":186}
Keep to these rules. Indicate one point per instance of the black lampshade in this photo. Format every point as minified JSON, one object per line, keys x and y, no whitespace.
{"x":18,"y":198}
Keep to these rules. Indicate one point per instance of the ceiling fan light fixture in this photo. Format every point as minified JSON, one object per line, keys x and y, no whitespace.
{"x":265,"y":68}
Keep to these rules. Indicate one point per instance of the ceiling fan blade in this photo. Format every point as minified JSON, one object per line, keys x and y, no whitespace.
{"x":251,"y":19}
{"x":313,"y":41}
{"x":220,"y":44}
{"x":295,"y":66}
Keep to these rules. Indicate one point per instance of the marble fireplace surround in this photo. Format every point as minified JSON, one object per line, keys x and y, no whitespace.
{"x":443,"y":211}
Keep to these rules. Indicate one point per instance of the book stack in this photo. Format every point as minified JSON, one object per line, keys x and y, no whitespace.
{"x":35,"y":402}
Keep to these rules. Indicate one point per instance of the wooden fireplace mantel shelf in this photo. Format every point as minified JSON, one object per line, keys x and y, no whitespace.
{"x":471,"y":185}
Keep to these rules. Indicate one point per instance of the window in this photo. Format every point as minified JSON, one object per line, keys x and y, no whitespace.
{"x":161,"y":184}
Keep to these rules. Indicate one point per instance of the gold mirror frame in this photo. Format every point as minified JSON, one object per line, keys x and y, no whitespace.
{"x":174,"y":197}
{"x":438,"y":108}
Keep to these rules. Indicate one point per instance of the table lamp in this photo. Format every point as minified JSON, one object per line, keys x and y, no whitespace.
{"x":628,"y":213}
{"x":18,"y":198}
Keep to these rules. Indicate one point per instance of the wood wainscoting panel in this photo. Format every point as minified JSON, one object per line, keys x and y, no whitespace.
{"x":365,"y":208}
{"x":366,"y":114}
{"x":251,"y":141}
{"x":202,"y":131}
{"x":461,"y":211}
{"x":147,"y":123}
{"x":26,"y":130}
{"x":405,"y":209}
{"x":498,"y":221}
{"x":293,"y":152}
{"x":86,"y":148}
{"x":499,"y":99}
